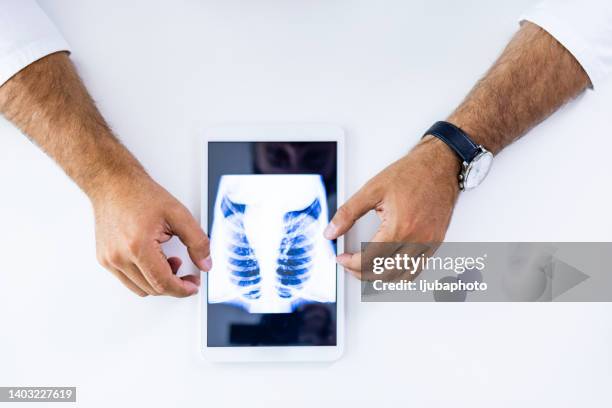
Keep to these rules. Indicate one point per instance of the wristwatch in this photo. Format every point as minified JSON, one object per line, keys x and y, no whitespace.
{"x":476,"y":159}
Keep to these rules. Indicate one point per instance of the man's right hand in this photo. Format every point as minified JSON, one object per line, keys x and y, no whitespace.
{"x":133,"y":218}
{"x":134,"y":214}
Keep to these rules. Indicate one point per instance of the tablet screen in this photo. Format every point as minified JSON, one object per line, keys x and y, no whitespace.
{"x":273,"y":281}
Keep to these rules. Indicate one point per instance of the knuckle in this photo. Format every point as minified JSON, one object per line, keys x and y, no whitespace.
{"x":178,"y":210}
{"x":102,"y":260}
{"x":113,"y":258}
{"x":133,"y":245}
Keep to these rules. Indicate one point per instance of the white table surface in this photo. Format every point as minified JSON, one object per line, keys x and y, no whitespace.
{"x":384,"y":70}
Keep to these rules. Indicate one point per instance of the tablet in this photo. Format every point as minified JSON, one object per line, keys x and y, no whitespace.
{"x":275,"y":292}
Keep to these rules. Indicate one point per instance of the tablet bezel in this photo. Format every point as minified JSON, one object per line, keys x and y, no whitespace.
{"x":274,"y":133}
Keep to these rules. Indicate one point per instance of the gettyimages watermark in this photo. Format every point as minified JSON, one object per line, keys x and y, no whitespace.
{"x":486,"y":272}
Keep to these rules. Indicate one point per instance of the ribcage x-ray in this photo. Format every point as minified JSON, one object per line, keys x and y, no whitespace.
{"x":241,"y":262}
{"x":267,"y":243}
{"x":295,"y":252}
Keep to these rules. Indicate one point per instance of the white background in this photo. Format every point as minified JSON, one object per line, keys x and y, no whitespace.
{"x":385,"y":70}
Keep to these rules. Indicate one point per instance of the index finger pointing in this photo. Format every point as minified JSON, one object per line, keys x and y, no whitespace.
{"x":360,"y":203}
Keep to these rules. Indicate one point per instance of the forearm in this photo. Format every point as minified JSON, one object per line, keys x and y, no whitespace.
{"x":49,"y":103}
{"x":534,"y":76}
{"x":134,"y":215}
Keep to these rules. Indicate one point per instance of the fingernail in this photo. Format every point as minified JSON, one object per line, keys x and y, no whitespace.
{"x":330,"y":231}
{"x":206,"y":264}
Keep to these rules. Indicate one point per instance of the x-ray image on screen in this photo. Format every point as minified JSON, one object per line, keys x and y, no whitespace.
{"x":267,"y":243}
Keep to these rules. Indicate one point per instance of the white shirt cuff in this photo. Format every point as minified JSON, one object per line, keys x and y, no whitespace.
{"x":26,"y":35}
{"x":15,"y":61}
{"x":584,"y":28}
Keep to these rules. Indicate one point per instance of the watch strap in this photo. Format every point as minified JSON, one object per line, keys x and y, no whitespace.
{"x":456,"y":139}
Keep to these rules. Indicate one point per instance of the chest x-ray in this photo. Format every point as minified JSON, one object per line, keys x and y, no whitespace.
{"x":267,"y":243}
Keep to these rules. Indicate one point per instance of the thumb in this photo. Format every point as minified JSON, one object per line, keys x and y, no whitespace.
{"x":191,"y":235}
{"x":360,"y":203}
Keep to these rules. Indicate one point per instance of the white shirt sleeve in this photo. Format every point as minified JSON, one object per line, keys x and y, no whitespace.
{"x":26,"y":35}
{"x":584,"y":27}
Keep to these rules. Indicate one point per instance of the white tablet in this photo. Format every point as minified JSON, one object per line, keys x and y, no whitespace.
{"x":275,"y":292}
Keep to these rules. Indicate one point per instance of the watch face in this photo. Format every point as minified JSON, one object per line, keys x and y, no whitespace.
{"x":478,"y":170}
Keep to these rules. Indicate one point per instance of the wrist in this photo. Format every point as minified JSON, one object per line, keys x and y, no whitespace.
{"x":476,"y":129}
{"x":441,"y":163}
{"x":446,"y":161}
{"x":112,"y":171}
{"x":116,"y":182}
{"x":474,"y":159}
